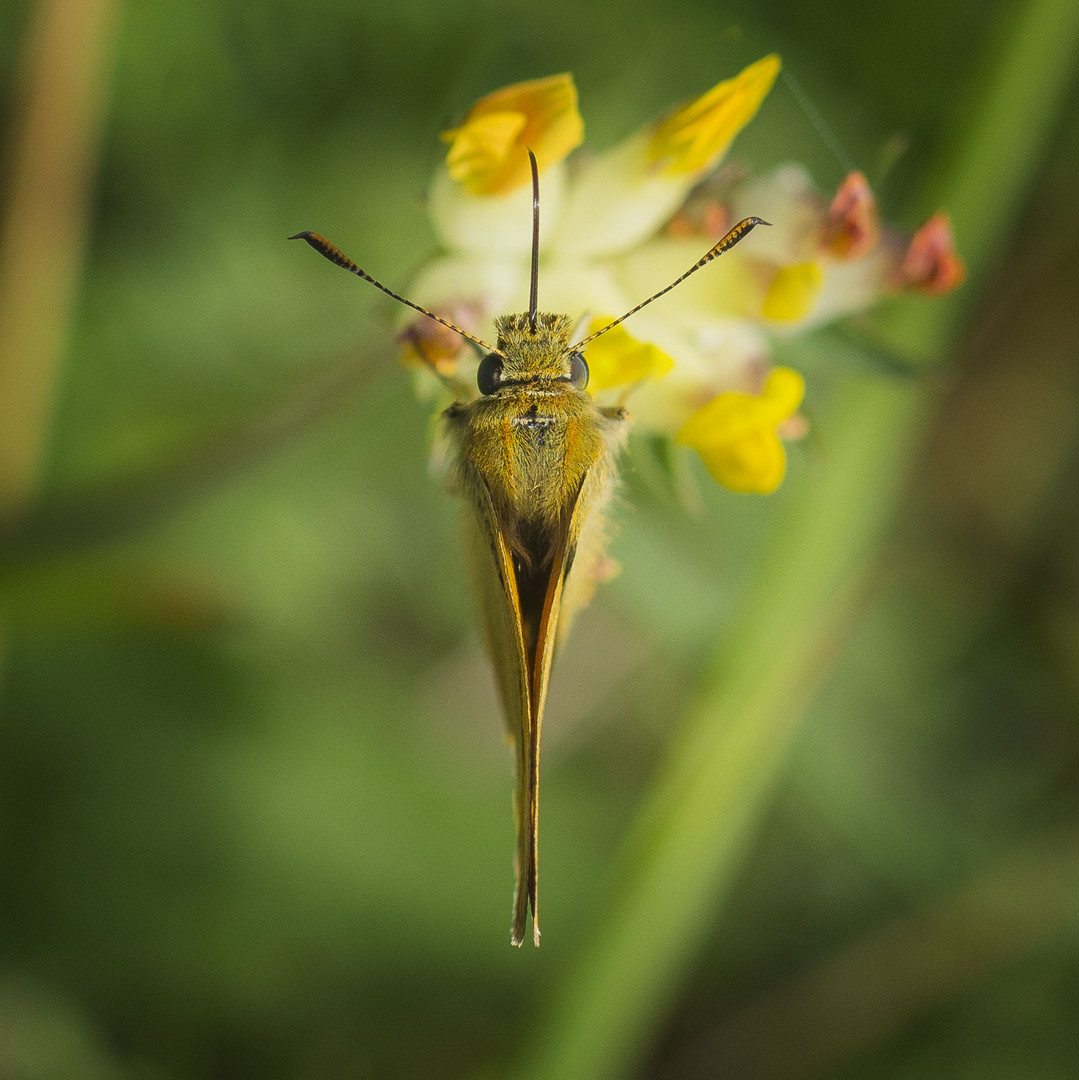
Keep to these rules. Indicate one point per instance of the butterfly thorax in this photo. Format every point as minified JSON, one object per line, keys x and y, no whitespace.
{"x":534,"y":439}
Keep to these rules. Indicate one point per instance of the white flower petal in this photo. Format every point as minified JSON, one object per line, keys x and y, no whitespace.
{"x":729,"y":287}
{"x":725,"y":355}
{"x":848,"y":286}
{"x":787,"y":198}
{"x":616,"y":200}
{"x":580,"y":289}
{"x":496,"y":285}
{"x":494,"y":224}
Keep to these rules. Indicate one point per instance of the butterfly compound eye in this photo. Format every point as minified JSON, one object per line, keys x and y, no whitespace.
{"x":489,"y":375}
{"x":578,"y":371}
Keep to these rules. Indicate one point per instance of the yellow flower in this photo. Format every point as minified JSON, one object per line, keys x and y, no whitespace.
{"x":793,"y":292}
{"x":692,"y":137}
{"x":736,"y":436}
{"x":624,"y":223}
{"x":487,"y":151}
{"x":619,"y":359}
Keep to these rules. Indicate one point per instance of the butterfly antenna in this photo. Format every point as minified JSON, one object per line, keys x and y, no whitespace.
{"x":533,"y":292}
{"x":339,"y":258}
{"x":739,"y":232}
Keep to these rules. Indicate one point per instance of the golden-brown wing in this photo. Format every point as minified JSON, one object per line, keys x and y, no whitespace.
{"x":495,"y":581}
{"x":500,"y":617}
{"x":519,"y":613}
{"x":546,"y":637}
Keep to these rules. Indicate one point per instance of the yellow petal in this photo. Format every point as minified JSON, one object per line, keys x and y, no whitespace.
{"x":727,"y":418}
{"x":619,"y":359}
{"x":736,"y":433}
{"x":692,"y":137}
{"x":792,"y":292}
{"x":755,"y":464}
{"x":783,"y":392}
{"x":481,"y":141}
{"x":487,"y":151}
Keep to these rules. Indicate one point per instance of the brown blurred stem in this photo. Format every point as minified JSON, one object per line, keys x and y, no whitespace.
{"x":43,"y":232}
{"x":44,"y":223}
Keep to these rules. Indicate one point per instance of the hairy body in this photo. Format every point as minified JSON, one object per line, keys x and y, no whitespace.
{"x":534,"y":461}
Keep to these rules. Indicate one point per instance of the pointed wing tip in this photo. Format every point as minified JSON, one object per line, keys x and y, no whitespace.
{"x":517,"y":935}
{"x":520,"y":921}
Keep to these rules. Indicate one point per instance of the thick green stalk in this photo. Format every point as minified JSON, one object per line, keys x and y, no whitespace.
{"x":684,"y":848}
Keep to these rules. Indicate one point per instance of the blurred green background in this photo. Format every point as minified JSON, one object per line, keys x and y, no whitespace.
{"x":254,"y":799}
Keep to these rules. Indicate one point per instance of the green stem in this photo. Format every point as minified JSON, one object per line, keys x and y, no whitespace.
{"x":685,"y":846}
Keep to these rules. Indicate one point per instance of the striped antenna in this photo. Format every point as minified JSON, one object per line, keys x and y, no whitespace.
{"x":339,"y":258}
{"x":739,"y":232}
{"x":533,"y":291}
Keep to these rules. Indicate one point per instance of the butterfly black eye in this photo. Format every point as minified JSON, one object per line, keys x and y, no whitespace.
{"x":489,"y":375}
{"x":578,"y":371}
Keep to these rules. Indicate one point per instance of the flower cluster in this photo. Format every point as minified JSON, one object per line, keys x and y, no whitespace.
{"x":618,"y":226}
